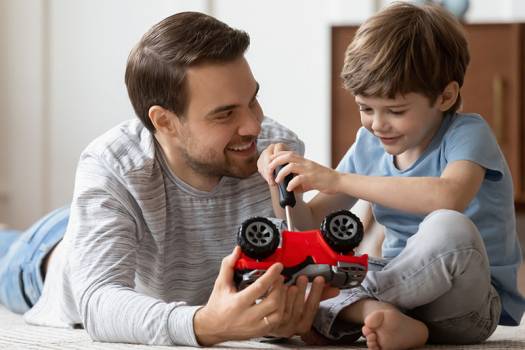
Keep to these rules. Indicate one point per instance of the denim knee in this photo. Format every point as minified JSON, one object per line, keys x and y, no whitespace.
{"x":446,"y":230}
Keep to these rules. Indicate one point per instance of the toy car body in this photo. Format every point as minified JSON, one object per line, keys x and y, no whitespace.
{"x":327,"y":252}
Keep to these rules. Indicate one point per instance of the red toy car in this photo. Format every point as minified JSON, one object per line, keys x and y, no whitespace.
{"x":326,"y":252}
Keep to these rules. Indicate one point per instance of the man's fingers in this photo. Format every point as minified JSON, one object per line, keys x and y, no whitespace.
{"x":225,"y":276}
{"x":261,"y":286}
{"x":291,"y":295}
{"x":311,"y":305}
{"x":298,"y":308}
{"x":314,"y":338}
{"x":329,"y":292}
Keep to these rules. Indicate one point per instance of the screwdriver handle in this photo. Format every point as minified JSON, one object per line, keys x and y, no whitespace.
{"x":286,"y":198}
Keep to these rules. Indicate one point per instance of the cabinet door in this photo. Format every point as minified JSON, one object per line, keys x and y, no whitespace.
{"x":345,"y":114}
{"x":494,"y":88}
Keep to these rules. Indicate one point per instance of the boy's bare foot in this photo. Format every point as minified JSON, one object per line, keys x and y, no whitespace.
{"x":393,"y":330}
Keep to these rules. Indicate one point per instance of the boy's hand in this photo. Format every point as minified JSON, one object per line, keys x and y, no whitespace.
{"x":266,"y":157}
{"x":300,"y":309}
{"x":309,"y":175}
{"x":232,"y":315}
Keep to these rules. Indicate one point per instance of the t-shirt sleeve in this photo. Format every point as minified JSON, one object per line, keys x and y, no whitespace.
{"x":105,"y":242}
{"x":348,"y":162}
{"x":470,"y":138}
{"x":273,"y":132}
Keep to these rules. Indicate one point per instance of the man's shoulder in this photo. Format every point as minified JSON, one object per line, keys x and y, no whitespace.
{"x":128,"y":146}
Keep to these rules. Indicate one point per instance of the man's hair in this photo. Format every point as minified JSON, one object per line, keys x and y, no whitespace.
{"x":157,"y":65}
{"x":406,"y":48}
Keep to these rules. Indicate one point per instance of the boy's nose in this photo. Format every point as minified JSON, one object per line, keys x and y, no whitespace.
{"x":379,"y":123}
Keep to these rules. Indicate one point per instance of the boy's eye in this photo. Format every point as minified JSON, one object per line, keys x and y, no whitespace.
{"x":365,"y":109}
{"x":397,"y":112}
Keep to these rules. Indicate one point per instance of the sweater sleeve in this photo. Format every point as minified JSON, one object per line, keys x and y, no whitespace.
{"x":103,"y":256}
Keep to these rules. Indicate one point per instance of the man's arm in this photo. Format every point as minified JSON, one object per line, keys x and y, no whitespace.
{"x":103,"y":258}
{"x":106,"y":238}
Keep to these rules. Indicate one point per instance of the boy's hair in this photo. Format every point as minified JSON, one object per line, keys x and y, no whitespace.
{"x":406,"y":48}
{"x":157,"y":65}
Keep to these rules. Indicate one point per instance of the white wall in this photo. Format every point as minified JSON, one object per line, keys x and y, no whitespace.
{"x":3,"y":114}
{"x":22,"y":111}
{"x":89,"y":45}
{"x":62,"y":65}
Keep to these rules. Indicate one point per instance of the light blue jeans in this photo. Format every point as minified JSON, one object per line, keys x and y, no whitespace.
{"x":21,"y":257}
{"x":441,"y":278}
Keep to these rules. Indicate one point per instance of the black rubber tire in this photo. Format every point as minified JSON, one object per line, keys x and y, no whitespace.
{"x":258,"y":237}
{"x":342,"y":230}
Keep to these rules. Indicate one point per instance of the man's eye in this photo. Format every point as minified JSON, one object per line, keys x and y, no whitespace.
{"x":224,"y":115}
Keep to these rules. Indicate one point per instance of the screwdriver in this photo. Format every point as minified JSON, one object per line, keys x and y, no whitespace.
{"x":286,"y":198}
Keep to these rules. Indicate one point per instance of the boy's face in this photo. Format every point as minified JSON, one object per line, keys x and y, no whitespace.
{"x":217,"y":135}
{"x":405,"y":125}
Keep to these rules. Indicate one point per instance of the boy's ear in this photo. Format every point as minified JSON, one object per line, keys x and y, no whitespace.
{"x":449,"y":96}
{"x":163,"y":120}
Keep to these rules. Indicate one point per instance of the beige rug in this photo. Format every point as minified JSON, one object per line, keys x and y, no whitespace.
{"x":15,"y":334}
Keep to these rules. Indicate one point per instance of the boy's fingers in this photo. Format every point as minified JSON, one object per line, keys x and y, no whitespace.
{"x":296,"y":183}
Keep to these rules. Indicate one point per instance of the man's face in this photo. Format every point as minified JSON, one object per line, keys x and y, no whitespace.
{"x":218,"y":133}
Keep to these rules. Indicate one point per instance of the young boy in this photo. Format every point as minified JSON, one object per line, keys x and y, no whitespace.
{"x":437,"y":180}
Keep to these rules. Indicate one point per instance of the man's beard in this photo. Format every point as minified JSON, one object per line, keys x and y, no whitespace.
{"x":224,"y":167}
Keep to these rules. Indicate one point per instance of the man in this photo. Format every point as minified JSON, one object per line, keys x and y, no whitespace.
{"x":156,"y":205}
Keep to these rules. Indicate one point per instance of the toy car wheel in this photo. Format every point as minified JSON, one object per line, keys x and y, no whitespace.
{"x":258,"y":237}
{"x":342,"y":230}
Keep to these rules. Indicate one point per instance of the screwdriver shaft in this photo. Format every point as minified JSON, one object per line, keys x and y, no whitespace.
{"x":289,"y":222}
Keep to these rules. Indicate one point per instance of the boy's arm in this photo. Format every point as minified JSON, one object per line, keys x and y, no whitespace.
{"x":454,"y":189}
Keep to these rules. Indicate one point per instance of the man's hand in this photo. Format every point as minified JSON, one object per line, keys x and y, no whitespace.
{"x":300,"y":309}
{"x":233,"y":315}
{"x":264,"y":161}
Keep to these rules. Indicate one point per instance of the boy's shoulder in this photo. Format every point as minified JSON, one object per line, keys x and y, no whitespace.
{"x":467,"y":124}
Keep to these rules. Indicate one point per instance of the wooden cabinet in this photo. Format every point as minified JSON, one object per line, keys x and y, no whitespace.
{"x":494,"y":87}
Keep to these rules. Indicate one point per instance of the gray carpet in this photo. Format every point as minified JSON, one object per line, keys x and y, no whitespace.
{"x":15,"y":334}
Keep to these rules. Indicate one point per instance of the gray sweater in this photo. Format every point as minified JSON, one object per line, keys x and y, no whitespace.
{"x":142,"y":249}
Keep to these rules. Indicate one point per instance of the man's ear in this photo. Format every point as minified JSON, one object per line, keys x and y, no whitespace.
{"x":449,"y":96}
{"x":163,"y":120}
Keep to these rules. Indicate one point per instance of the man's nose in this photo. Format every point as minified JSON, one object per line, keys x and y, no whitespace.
{"x":250,"y":124}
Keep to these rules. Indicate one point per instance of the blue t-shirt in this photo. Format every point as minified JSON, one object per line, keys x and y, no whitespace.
{"x":460,"y":137}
